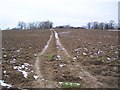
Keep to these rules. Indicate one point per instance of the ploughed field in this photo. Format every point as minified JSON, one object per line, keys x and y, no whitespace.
{"x":19,"y":52}
{"x":85,"y":58}
{"x":96,"y":50}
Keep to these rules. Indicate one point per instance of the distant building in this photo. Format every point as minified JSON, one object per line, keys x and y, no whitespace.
{"x":119,"y":14}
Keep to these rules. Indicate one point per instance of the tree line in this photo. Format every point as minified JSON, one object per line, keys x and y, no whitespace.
{"x":102,"y":25}
{"x":35,"y":25}
{"x":48,"y":24}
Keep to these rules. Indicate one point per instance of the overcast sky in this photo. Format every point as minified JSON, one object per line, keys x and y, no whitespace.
{"x":60,"y":12}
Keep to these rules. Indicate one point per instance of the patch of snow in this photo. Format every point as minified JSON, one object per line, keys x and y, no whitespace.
{"x":4,"y":71}
{"x":25,"y":74}
{"x":58,"y":57}
{"x":116,"y":52}
{"x":3,"y":48}
{"x":80,"y":77}
{"x":18,"y":50}
{"x":114,"y":30}
{"x":61,"y":65}
{"x":24,"y":66}
{"x":35,"y":55}
{"x":78,"y":49}
{"x":2,"y":83}
{"x":64,"y":33}
{"x":13,"y":60}
{"x":60,"y":82}
{"x":59,"y":44}
{"x":84,"y":54}
{"x":5,"y":56}
{"x":32,"y":71}
{"x":6,"y":75}
{"x":14,"y":67}
{"x":108,"y":58}
{"x":91,"y":56}
{"x":42,"y":79}
{"x":74,"y":58}
{"x":99,"y":42}
{"x":35,"y":77}
{"x":100,"y":52}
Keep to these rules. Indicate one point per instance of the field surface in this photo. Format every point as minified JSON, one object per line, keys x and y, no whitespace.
{"x":60,"y":58}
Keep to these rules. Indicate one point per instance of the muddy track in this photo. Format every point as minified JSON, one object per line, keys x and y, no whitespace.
{"x":54,"y":61}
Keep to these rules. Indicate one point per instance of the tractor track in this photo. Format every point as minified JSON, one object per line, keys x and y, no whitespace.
{"x":46,"y":77}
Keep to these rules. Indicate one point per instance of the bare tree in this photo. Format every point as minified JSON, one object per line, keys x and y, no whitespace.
{"x":101,"y":25}
{"x":46,"y":24}
{"x":22,"y":25}
{"x":89,"y":25}
{"x":111,"y":24}
{"x":95,"y":25}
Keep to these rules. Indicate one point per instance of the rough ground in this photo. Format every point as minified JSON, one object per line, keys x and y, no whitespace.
{"x":70,"y":56}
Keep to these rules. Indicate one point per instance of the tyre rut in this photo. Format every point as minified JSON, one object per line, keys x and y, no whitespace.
{"x":46,"y":75}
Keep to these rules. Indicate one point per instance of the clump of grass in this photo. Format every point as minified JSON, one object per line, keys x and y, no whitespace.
{"x":50,"y":56}
{"x":70,"y":85}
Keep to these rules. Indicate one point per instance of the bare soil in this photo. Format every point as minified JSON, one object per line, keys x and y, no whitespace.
{"x":96,"y":51}
{"x":23,"y":47}
{"x":88,"y":57}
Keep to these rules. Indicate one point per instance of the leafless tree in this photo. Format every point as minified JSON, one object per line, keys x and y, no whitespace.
{"x":22,"y":25}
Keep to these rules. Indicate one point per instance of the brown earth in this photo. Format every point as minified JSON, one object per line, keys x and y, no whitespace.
{"x":23,"y":46}
{"x":96,"y":51}
{"x":88,"y":57}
